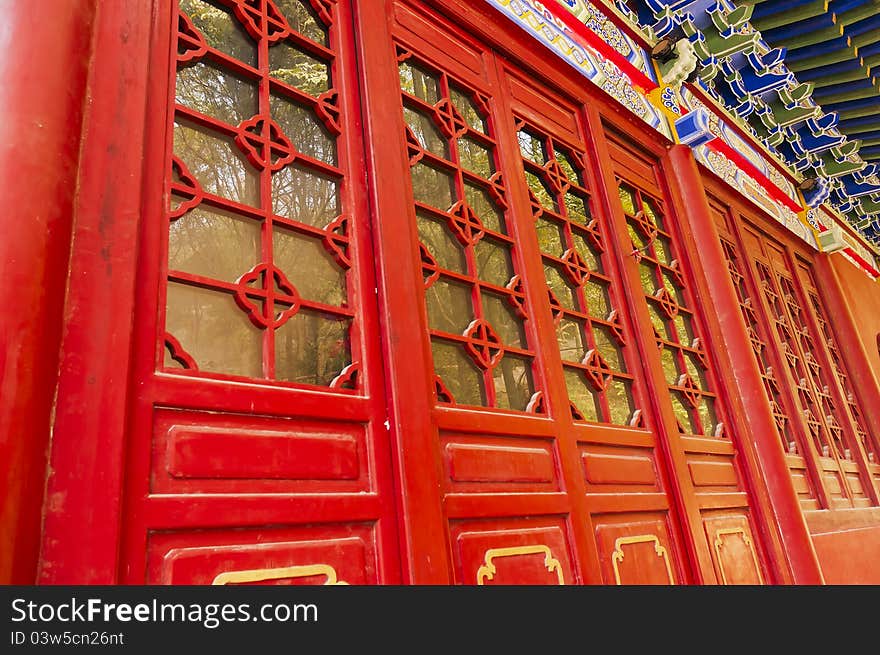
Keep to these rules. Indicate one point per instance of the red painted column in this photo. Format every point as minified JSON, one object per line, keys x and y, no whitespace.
{"x":46,"y":48}
{"x":758,"y":416}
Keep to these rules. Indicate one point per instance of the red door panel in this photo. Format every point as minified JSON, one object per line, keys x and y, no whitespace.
{"x":700,"y":432}
{"x":258,"y":394}
{"x":339,"y":555}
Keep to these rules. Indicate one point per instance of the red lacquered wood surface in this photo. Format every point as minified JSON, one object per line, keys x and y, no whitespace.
{"x":391,"y":472}
{"x":40,"y":137}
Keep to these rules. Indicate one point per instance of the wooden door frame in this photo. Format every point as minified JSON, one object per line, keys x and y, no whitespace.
{"x":84,"y":487}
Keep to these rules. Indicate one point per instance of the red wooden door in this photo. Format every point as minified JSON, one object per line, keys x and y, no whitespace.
{"x":258,"y":450}
{"x":554,"y":438}
{"x":412,"y":349}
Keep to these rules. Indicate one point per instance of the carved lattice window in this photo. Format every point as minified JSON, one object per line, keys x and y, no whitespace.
{"x":682,"y":351}
{"x":584,"y":295}
{"x":259,"y":237}
{"x":474,"y":294}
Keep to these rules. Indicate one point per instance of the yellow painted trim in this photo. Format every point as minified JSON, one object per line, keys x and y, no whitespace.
{"x":720,"y":542}
{"x":487,"y":571}
{"x":261,"y":575}
{"x":617,"y":555}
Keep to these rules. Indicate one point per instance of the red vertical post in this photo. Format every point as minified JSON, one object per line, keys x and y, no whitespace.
{"x":854,"y":355}
{"x":81,"y":519}
{"x":43,"y":70}
{"x":757,"y":415}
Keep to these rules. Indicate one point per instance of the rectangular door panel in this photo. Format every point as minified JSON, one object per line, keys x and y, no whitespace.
{"x":257,"y":391}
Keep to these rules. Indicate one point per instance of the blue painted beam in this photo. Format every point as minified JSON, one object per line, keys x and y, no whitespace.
{"x":798,"y":29}
{"x":825,"y":71}
{"x":796,"y":54}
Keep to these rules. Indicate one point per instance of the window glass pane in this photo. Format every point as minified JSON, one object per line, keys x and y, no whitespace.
{"x":559,"y":286}
{"x":221,"y":30}
{"x":663,"y":249}
{"x":214,"y":331}
{"x":216,"y":93}
{"x":312,"y":348}
{"x":670,"y":368}
{"x":426,"y":131}
{"x":551,"y":237}
{"x":648,"y":276}
{"x":216,"y":162}
{"x":568,"y":166}
{"x":445,"y":249}
{"x":659,"y":321}
{"x":587,"y":251}
{"x":307,"y":134}
{"x":449,"y":306}
{"x":684,"y":328}
{"x":542,"y":193}
{"x":432,"y":186}
{"x":468,"y":110}
{"x":651,"y":211}
{"x":305,"y":196}
{"x":680,"y":407}
{"x":708,"y":418}
{"x":513,"y":382}
{"x":309,"y":267}
{"x":504,"y":321}
{"x":596,"y":293}
{"x":213,"y":243}
{"x":295,"y":67}
{"x":418,"y":82}
{"x":627,"y":198}
{"x":493,"y":261}
{"x":582,"y":394}
{"x":607,"y":345}
{"x":458,"y":372}
{"x":576,"y":208}
{"x":484,"y":207}
{"x":531,"y":147}
{"x":475,"y":157}
{"x":302,"y":18}
{"x":620,"y":401}
{"x":695,"y":370}
{"x":569,"y":335}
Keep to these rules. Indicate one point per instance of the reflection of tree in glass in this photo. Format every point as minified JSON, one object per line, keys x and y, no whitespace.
{"x":437,"y":238}
{"x":494,"y":264}
{"x":296,"y":68}
{"x":475,"y":157}
{"x":304,"y":196}
{"x":309,"y":267}
{"x":307,"y":134}
{"x":302,"y":19}
{"x":513,"y":383}
{"x":216,"y":162}
{"x":214,"y":331}
{"x":432,"y":186}
{"x":312,"y":348}
{"x":216,"y":93}
{"x":458,"y":372}
{"x":221,"y":30}
{"x":213,"y":243}
{"x":449,"y":306}
{"x":426,"y":131}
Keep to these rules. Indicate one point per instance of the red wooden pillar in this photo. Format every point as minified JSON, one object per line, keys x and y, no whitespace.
{"x":758,"y":416}
{"x":46,"y":51}
{"x":83,"y":486}
{"x":854,"y":354}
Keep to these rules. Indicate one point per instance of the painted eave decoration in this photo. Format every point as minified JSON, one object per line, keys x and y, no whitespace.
{"x":779,"y":98}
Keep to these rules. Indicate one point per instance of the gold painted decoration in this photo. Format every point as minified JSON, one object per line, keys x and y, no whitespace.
{"x":719,"y":542}
{"x":618,"y":554}
{"x":284,"y":573}
{"x":487,"y":570}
